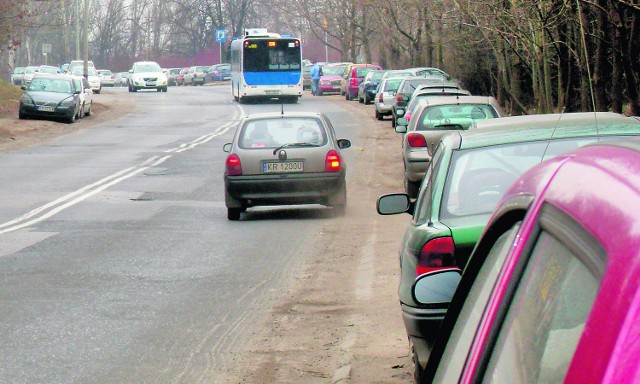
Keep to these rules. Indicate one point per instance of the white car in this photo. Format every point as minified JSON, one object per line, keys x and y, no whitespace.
{"x":147,"y":75}
{"x":28,"y":75}
{"x":386,"y":96}
{"x":86,"y":95}
{"x":107,"y":78}
{"x":93,"y":78}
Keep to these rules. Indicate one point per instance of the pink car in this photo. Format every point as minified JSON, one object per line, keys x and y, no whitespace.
{"x":331,"y":79}
{"x":551,"y":293}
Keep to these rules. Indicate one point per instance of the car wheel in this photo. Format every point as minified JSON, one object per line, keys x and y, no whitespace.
{"x":360,"y":99}
{"x":233,"y":214}
{"x":98,"y":91}
{"x":379,"y":116}
{"x":21,"y":115}
{"x":88,"y":111}
{"x":393,"y":121}
{"x":366,"y":100}
{"x":159,"y":89}
{"x":165,"y":89}
{"x":71,"y":119}
{"x":411,"y":188}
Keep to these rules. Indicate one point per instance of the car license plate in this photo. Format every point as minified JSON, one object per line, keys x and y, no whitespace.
{"x":151,"y":83}
{"x":45,"y":108}
{"x":272,"y":92}
{"x":283,"y":167}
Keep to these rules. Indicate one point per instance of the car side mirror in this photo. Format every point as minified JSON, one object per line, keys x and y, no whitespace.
{"x":436,"y":288}
{"x":344,"y":144}
{"x":401,"y":128}
{"x":227,"y":147}
{"x":23,"y":87}
{"x":394,"y":203}
{"x":131,"y":71}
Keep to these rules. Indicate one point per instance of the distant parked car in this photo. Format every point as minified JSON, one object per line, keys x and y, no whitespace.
{"x":48,"y":69}
{"x":172,"y":73}
{"x":367,"y":88}
{"x":406,"y":89}
{"x":121,"y":79}
{"x":51,"y":96}
{"x":353,"y":77}
{"x":331,"y":79}
{"x":306,"y":76}
{"x":218,"y":72}
{"x":551,"y":293}
{"x":195,"y":75}
{"x":284,"y":159}
{"x":93,"y":78}
{"x":180,"y":76}
{"x":107,"y":78}
{"x":386,"y":95}
{"x":28,"y":75}
{"x":16,"y":75}
{"x":86,"y":95}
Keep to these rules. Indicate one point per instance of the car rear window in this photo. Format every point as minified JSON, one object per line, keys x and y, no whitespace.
{"x":455,"y":116}
{"x":274,"y":132}
{"x":362,"y":72}
{"x":392,"y":85}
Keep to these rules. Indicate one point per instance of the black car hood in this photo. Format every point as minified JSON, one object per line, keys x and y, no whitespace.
{"x":48,"y":97}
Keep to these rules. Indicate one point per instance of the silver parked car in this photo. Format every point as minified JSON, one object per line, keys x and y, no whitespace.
{"x":285,"y":159}
{"x":435,"y":117}
{"x":386,"y":96}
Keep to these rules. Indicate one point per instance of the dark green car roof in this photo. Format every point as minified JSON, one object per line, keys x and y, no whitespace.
{"x":543,"y":127}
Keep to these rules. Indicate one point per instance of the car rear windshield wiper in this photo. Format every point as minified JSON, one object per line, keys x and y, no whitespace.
{"x":294,"y":145}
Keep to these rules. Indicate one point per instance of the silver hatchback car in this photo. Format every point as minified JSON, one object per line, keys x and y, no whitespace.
{"x":285,"y":159}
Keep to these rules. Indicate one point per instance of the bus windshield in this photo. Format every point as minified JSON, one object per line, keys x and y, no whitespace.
{"x":271,"y":55}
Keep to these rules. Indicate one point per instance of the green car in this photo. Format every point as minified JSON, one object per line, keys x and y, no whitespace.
{"x":464,"y":183}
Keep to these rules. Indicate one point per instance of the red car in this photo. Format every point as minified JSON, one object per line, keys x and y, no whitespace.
{"x":551,"y":293}
{"x":180,"y":76}
{"x":354,"y":76}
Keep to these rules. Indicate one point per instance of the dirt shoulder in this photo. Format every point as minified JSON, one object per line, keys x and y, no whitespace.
{"x":16,"y":134}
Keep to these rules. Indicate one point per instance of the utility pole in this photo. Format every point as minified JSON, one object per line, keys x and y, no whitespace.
{"x":77,"y":30}
{"x":85,"y":38}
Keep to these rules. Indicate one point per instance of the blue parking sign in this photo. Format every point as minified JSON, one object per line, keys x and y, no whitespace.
{"x":221,"y":35}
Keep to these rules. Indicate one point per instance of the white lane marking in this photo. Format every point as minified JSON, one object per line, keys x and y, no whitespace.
{"x":52,"y":208}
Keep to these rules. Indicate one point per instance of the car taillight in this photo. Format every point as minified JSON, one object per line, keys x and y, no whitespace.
{"x":234,"y":167}
{"x":436,"y":254}
{"x":354,"y":82}
{"x":416,"y":140}
{"x":380,"y":99}
{"x":332,"y":162}
{"x":399,"y":97}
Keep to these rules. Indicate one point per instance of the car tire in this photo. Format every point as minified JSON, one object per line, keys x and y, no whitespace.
{"x":411,"y":188}
{"x":164,"y":89}
{"x":71,"y":119}
{"x":366,"y":100}
{"x":379,"y":116}
{"x":360,"y":99}
{"x":21,"y":115}
{"x":98,"y":91}
{"x":417,"y":369}
{"x":233,"y":214}
{"x":88,"y":111}
{"x":393,"y":121}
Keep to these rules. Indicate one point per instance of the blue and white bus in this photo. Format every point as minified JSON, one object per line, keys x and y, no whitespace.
{"x":266,"y":65}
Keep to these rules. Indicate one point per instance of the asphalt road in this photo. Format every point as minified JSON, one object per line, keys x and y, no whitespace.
{"x":117,"y":262}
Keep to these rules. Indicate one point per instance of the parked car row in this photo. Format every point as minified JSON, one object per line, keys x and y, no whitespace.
{"x":198,"y":74}
{"x":503,"y":267}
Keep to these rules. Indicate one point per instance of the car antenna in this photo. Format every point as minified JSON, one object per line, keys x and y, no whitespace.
{"x":281,"y":108}
{"x":552,"y":133}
